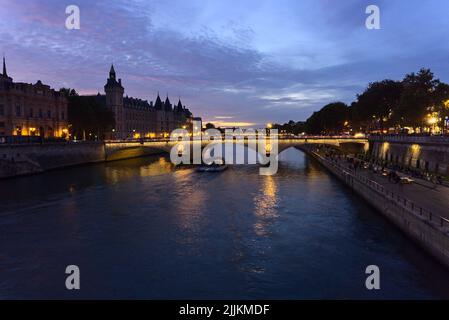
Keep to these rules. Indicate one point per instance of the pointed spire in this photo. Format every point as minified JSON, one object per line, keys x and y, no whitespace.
{"x":179,"y":106}
{"x":158,"y":103}
{"x":4,"y":67}
{"x":112,"y":72}
{"x":167,"y":104}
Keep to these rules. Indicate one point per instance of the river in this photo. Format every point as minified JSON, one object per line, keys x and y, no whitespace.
{"x":141,"y":228}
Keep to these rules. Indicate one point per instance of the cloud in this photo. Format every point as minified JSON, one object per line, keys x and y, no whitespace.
{"x":257,"y":61}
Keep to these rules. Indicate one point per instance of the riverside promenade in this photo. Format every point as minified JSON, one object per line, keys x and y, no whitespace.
{"x":423,"y":195}
{"x":419,"y":211}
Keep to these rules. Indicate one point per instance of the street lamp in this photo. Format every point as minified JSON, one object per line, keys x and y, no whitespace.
{"x":432,"y":119}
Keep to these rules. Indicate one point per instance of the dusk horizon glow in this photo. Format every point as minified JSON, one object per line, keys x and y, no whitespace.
{"x":247,"y":64}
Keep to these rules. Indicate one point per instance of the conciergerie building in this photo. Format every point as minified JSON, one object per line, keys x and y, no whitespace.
{"x":137,"y":118}
{"x":37,"y":110}
{"x":31,"y":109}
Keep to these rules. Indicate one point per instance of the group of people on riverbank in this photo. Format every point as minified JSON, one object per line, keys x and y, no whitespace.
{"x":392,"y":171}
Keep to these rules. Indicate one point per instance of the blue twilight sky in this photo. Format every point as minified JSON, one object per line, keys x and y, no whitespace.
{"x":231,"y":61}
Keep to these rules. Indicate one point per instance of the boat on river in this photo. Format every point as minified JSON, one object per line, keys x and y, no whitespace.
{"x":214,"y":167}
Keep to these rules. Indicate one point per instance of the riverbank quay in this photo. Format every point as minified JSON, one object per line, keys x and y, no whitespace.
{"x":32,"y":158}
{"x":421,"y":153}
{"x":412,"y":208}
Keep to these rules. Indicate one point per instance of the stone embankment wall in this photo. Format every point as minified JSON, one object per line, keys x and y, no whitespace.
{"x":431,"y":232}
{"x":424,"y":153}
{"x":28,"y":159}
{"x":23,"y":159}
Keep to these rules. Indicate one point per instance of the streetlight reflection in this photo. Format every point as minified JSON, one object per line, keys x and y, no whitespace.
{"x":265,"y":205}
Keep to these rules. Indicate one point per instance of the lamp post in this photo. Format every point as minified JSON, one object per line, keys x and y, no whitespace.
{"x":446,"y":124}
{"x":269,"y":127}
{"x":432,"y":119}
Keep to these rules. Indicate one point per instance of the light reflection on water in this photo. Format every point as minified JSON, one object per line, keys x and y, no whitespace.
{"x":142,"y":228}
{"x":265,"y":205}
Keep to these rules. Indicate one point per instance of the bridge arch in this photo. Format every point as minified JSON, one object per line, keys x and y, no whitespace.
{"x":117,"y":150}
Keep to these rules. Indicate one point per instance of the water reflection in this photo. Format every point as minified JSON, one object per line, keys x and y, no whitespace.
{"x":265,"y":203}
{"x":188,"y":204}
{"x":120,"y":170}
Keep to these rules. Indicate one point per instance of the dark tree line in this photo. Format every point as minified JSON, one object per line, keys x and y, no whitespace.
{"x":291,"y":127}
{"x":416,"y":102}
{"x":88,"y":117}
{"x":331,"y":119}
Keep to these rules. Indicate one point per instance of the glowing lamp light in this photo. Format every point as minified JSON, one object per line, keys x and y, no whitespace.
{"x":268,"y":148}
{"x":415,"y":147}
{"x":432,"y":120}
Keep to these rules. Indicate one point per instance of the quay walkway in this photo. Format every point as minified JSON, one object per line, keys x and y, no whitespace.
{"x":428,"y":203}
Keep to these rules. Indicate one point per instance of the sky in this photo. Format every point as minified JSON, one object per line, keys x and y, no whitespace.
{"x":246,"y":62}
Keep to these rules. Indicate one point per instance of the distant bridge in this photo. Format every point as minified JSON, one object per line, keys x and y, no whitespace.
{"x":115,"y":150}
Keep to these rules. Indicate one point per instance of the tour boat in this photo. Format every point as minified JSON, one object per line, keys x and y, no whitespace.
{"x":214,"y":167}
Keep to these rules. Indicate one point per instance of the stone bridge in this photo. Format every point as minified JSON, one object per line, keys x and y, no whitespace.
{"x":116,"y":150}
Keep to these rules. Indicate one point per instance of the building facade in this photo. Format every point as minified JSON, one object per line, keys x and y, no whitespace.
{"x":31,"y":109}
{"x":137,"y":118}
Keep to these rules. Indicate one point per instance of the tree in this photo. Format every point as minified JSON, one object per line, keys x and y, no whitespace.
{"x":441,"y":99}
{"x":376,"y":105}
{"x":87,"y":115}
{"x":209,"y":126}
{"x":417,"y":98}
{"x":291,"y":127}
{"x":330,"y":119}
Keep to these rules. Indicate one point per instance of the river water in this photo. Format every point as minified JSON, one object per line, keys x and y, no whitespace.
{"x":140,"y":228}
